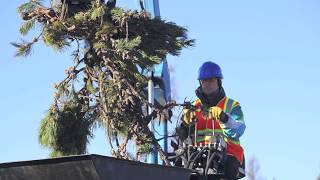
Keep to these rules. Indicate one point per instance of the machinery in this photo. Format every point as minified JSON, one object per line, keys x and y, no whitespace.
{"x":205,"y":161}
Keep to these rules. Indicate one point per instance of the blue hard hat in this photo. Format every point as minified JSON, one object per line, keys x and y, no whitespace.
{"x":209,"y":70}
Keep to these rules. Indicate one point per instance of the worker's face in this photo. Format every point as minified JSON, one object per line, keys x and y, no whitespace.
{"x":209,"y":86}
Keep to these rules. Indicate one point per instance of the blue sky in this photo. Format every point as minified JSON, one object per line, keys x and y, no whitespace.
{"x":269,"y":53}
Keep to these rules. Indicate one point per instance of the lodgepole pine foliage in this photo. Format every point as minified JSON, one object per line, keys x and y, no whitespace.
{"x":104,"y":86}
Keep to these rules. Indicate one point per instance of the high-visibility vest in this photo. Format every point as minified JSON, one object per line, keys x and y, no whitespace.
{"x":205,"y":129}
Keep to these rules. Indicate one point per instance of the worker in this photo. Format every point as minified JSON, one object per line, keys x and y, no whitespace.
{"x":218,"y":114}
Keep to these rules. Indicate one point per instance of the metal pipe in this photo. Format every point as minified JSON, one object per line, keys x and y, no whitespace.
{"x":152,"y":157}
{"x":159,"y":128}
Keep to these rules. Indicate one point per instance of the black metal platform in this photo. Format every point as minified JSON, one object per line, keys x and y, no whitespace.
{"x":89,"y":167}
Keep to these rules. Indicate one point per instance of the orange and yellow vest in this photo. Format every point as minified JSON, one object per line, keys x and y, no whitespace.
{"x":206,"y":127}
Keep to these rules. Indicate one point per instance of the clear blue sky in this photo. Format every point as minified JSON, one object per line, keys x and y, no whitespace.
{"x":269,"y":53}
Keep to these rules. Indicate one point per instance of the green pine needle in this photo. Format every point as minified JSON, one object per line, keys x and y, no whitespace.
{"x":97,"y":12}
{"x":134,"y":43}
{"x":23,"y":49}
{"x":90,"y":88}
{"x":99,"y":45}
{"x":25,"y":27}
{"x":25,"y":7}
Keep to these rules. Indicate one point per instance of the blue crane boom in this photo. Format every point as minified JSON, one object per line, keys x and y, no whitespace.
{"x":161,"y":92}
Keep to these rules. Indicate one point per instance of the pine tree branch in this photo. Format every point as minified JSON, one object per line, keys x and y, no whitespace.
{"x":120,"y":42}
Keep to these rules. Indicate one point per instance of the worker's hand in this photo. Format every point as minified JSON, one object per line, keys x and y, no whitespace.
{"x":188,"y":115}
{"x":215,"y":112}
